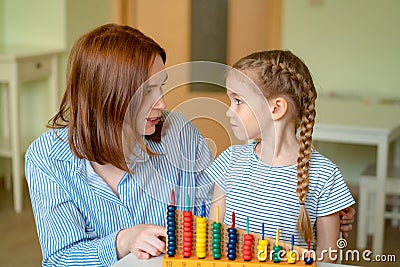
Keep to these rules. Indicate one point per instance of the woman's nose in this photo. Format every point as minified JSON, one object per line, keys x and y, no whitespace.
{"x":160,"y":104}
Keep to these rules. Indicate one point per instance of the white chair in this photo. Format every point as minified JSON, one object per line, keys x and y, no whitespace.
{"x":366,"y":203}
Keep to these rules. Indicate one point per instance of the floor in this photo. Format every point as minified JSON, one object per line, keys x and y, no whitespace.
{"x":19,"y":245}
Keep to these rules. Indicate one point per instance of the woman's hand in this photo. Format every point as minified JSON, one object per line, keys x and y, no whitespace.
{"x":143,"y":240}
{"x":346,"y":220}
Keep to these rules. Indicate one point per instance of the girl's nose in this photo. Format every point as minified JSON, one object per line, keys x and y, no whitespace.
{"x":229,"y":113}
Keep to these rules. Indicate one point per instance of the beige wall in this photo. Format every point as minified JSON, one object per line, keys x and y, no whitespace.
{"x":253,"y":27}
{"x":250,"y":28}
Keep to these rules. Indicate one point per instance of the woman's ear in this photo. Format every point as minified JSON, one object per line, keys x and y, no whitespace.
{"x":278,"y":107}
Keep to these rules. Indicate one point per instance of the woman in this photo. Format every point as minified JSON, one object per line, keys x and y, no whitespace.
{"x":93,"y":203}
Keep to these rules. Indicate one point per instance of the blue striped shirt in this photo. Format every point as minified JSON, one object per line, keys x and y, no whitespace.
{"x":267,"y":194}
{"x":78,"y":216}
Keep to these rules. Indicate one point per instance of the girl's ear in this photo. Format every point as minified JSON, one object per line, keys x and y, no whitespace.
{"x":278,"y":107}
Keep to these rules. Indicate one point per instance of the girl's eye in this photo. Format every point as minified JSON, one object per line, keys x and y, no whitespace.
{"x":238,"y":101}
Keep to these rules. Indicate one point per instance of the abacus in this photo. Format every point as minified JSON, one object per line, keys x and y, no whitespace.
{"x":199,"y":242}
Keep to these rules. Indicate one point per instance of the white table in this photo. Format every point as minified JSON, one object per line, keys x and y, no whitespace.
{"x":362,"y":122}
{"x":132,"y":261}
{"x":17,"y":65}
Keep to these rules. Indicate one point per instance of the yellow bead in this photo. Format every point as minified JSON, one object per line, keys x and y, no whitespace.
{"x":262,"y":250}
{"x":201,"y":237}
{"x":291,"y":256}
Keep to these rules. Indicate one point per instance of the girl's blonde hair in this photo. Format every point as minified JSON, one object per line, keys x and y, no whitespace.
{"x":281,"y":73}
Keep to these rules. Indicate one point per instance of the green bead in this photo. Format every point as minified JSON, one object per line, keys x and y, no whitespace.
{"x":216,"y":225}
{"x":216,"y":240}
{"x":217,"y":255}
{"x":276,"y":259}
{"x":216,"y":231}
{"x":216,"y":245}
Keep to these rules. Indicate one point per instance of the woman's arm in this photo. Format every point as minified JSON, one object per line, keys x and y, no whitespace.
{"x":62,"y":227}
{"x":219,"y":200}
{"x":328,"y":228}
{"x":346,"y":220}
{"x":60,"y":224}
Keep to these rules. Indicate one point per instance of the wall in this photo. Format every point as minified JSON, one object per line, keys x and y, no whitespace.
{"x":351,"y":48}
{"x":1,"y":21}
{"x":82,"y":16}
{"x":253,"y":27}
{"x":52,"y":24}
{"x":31,"y":23}
{"x":38,"y":22}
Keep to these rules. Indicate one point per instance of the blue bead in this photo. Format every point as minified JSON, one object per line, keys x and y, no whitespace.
{"x":232,"y":237}
{"x":232,"y":257}
{"x":232,"y":230}
{"x":309,"y":261}
{"x":231,"y":245}
{"x":171,"y":208}
{"x":171,"y":253}
{"x":169,"y":223}
{"x":231,"y":250}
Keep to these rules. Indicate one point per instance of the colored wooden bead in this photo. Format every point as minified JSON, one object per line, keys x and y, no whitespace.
{"x":216,"y":240}
{"x":247,"y":246}
{"x":262,"y":250}
{"x":232,"y":241}
{"x":187,"y":233}
{"x":201,"y":234}
{"x":309,"y":260}
{"x":291,"y":256}
{"x":276,"y":257}
{"x":171,"y":227}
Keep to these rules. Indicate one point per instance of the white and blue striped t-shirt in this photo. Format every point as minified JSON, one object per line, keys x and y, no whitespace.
{"x":78,"y":216}
{"x":267,"y":194}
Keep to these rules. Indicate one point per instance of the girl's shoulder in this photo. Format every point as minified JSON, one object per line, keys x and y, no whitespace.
{"x":322,"y":166}
{"x":237,"y":154}
{"x":320,"y":160}
{"x":240,"y":150}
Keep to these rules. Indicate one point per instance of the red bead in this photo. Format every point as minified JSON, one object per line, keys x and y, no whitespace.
{"x":187,"y":239}
{"x":187,"y":224}
{"x":187,"y":247}
{"x":187,"y":234}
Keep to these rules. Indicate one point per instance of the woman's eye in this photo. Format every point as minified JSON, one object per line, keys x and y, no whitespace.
{"x":238,"y":101}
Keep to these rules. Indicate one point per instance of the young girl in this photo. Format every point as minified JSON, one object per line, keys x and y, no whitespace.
{"x":278,"y":180}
